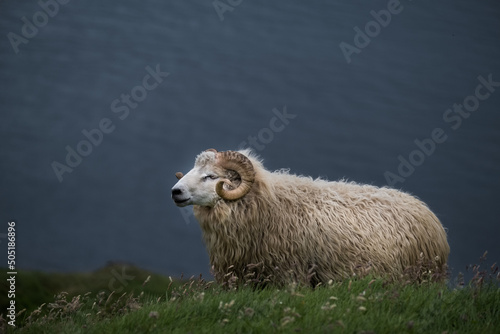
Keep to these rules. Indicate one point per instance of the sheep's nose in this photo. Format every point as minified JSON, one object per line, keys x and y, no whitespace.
{"x":176,"y":191}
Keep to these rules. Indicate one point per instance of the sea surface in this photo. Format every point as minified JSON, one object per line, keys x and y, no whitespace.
{"x":390,"y":93}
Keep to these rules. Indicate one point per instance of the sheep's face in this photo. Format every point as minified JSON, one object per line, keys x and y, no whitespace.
{"x":216,"y":175}
{"x":198,"y":186}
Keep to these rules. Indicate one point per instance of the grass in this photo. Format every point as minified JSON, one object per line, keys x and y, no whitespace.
{"x":160,"y":305}
{"x":35,"y":288}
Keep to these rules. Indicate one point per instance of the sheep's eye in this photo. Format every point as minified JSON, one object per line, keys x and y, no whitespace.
{"x":209,"y":177}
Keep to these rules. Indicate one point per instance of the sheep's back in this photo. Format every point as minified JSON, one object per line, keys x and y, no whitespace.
{"x":347,"y":226}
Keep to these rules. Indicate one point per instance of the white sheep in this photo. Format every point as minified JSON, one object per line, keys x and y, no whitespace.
{"x":294,"y":228}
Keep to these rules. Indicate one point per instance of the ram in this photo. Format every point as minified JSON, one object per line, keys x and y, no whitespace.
{"x":288,"y":228}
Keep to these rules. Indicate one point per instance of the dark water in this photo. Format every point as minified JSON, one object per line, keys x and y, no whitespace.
{"x":345,"y":120}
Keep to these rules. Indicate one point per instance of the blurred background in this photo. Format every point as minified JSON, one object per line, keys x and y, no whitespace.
{"x":102,"y":102}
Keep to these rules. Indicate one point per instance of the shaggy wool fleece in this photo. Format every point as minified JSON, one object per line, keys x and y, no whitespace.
{"x":294,"y":228}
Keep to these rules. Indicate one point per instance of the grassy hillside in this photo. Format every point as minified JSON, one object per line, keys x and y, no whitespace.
{"x":35,"y":288}
{"x":138,"y":304}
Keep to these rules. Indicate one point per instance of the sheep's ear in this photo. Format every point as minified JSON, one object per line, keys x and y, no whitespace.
{"x":179,"y":175}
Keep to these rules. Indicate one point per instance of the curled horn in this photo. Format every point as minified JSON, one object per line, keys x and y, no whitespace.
{"x":240,"y":164}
